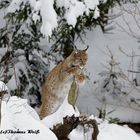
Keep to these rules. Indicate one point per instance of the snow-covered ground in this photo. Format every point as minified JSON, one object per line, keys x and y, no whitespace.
{"x":20,"y":122}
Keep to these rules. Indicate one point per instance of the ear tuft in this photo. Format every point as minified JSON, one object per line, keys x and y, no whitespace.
{"x":75,"y":48}
{"x":86,"y":48}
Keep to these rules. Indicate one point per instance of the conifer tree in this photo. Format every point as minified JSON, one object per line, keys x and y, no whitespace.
{"x":24,"y":64}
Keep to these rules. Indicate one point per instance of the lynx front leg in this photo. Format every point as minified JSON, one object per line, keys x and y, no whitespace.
{"x":78,"y":73}
{"x":81,"y":78}
{"x":69,"y":72}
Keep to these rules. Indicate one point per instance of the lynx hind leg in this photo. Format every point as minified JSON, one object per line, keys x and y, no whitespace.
{"x":67,"y":73}
{"x":44,"y":110}
{"x":49,"y":103}
{"x":47,"y":106}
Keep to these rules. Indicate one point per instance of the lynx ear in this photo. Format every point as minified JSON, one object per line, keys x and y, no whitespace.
{"x":86,"y":48}
{"x":75,"y":48}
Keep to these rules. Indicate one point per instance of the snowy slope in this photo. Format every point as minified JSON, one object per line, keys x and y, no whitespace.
{"x":18,"y":116}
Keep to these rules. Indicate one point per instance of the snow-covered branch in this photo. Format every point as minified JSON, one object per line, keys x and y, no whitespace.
{"x":73,"y":10}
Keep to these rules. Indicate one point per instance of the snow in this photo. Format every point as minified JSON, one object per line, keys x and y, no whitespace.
{"x":96,"y":13}
{"x":17,"y":115}
{"x":12,"y":83}
{"x":73,"y":12}
{"x":76,"y":135}
{"x":73,"y":9}
{"x":106,"y":132}
{"x":15,"y":5}
{"x":21,"y":65}
{"x":57,"y":117}
{"x":49,"y":17}
{"x":123,"y":113}
{"x":3,"y":87}
{"x":115,"y":132}
{"x":90,"y":4}
{"x":2,"y":52}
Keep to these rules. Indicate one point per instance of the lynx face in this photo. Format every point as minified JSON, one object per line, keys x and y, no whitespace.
{"x":79,"y":58}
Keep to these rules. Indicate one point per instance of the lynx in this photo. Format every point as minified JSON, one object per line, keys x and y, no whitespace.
{"x":58,"y":81}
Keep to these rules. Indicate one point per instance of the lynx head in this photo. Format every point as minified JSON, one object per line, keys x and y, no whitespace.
{"x":79,"y":57}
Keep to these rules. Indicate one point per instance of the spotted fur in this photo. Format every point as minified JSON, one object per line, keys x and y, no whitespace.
{"x":58,"y":81}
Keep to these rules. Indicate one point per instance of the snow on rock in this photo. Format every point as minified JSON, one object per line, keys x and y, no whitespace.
{"x":64,"y":110}
{"x":17,"y":115}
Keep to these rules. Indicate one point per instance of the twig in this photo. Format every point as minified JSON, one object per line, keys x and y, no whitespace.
{"x":18,"y":86}
{"x":133,"y":71}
